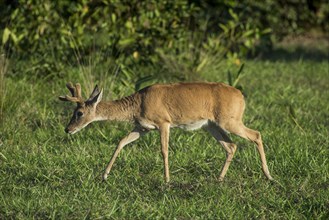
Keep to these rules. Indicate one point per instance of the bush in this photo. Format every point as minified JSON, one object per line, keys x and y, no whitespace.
{"x":138,"y":30}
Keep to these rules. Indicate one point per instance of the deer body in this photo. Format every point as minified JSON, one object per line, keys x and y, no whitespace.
{"x":183,"y":105}
{"x":215,"y":107}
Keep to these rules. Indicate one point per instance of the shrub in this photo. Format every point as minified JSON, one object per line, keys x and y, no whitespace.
{"x":134,"y":30}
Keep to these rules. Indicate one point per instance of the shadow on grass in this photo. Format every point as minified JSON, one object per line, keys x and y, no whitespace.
{"x":295,"y":54}
{"x":307,"y":46}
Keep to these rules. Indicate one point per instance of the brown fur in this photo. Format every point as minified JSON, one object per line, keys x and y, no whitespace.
{"x":215,"y":107}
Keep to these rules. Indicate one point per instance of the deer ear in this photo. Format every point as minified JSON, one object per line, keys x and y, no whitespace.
{"x":94,"y":93}
{"x":96,"y":99}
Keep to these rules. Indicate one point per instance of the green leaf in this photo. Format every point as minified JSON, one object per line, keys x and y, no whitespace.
{"x":266,"y":31}
{"x":240,"y":70}
{"x":14,"y":37}
{"x":248,"y":43}
{"x":142,"y":80}
{"x":126,"y":72}
{"x":202,"y":64}
{"x":129,"y":25}
{"x":248,"y":33}
{"x":224,"y":28}
{"x":5,"y":35}
{"x":127,"y":41}
{"x":236,"y":80}
{"x":229,"y":78}
{"x":233,"y":14}
{"x":114,"y":17}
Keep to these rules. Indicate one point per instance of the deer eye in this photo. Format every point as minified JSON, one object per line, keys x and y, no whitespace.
{"x":79,"y":114}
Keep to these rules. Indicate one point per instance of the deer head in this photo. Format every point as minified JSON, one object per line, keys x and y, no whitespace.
{"x":85,"y":112}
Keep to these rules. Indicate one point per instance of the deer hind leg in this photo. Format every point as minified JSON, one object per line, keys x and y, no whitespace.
{"x":230,"y":148}
{"x":134,"y":135}
{"x":255,"y":137}
{"x":164,"y":136}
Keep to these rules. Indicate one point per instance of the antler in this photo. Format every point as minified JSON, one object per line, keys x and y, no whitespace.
{"x":76,"y":93}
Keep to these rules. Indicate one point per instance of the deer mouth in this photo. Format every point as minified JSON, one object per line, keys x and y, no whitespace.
{"x":75,"y":129}
{"x":71,"y":131}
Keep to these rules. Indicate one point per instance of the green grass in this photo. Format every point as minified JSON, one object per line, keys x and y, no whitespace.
{"x":45,"y":173}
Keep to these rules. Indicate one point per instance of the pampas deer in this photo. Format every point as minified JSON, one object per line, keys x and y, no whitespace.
{"x":215,"y":107}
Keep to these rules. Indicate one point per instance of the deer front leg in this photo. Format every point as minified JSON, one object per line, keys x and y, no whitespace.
{"x":164,"y":136}
{"x":134,"y":135}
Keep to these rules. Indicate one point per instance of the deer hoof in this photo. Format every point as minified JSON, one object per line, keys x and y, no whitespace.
{"x":104,"y":177}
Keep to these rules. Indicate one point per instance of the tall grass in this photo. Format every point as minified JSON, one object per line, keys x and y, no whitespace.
{"x":4,"y":64}
{"x":196,"y":57}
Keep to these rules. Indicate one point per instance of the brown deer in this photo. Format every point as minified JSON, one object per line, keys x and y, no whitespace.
{"x":215,"y":107}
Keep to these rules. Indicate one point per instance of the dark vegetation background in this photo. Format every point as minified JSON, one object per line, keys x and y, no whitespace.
{"x":275,"y":51}
{"x":48,"y":34}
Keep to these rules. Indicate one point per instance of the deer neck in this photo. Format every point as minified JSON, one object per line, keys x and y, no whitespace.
{"x":123,"y":109}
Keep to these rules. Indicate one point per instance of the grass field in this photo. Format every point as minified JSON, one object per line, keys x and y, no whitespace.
{"x":45,"y":173}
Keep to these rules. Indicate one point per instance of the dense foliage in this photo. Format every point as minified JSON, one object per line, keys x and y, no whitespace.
{"x":140,"y":28}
